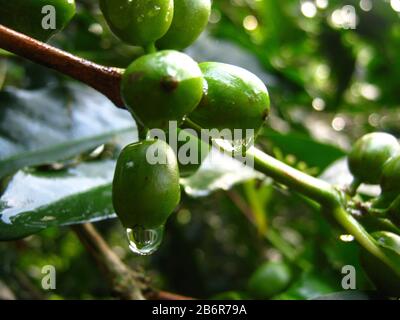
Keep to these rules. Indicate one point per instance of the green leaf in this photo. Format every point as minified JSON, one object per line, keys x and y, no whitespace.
{"x":55,"y":123}
{"x":35,"y":200}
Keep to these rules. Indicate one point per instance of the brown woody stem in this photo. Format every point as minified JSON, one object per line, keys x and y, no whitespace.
{"x":125,"y":282}
{"x":104,"y":79}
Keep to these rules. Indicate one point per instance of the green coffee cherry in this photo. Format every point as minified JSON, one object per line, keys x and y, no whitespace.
{"x":369,"y":154}
{"x":145,"y":193}
{"x":34,"y":17}
{"x":269,"y":279}
{"x":190,"y":19}
{"x":233,"y":99}
{"x":138,"y":22}
{"x":384,"y":278}
{"x":162,"y":87}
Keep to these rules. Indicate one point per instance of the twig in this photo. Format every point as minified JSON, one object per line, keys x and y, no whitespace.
{"x":104,"y":79}
{"x":126,"y":283}
{"x":26,"y":284}
{"x":242,"y":205}
{"x":163,"y":295}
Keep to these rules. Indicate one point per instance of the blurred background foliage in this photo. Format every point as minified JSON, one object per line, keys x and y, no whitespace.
{"x":333,"y":73}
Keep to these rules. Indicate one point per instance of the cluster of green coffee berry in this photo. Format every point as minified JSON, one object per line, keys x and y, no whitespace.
{"x":168,"y":85}
{"x":375,"y":159}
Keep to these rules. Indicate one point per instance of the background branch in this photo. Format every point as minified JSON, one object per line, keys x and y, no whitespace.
{"x":126,"y":283}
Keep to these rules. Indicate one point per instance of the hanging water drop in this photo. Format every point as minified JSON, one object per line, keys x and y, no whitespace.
{"x":144,"y":241}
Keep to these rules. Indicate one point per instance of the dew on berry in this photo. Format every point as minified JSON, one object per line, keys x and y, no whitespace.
{"x":144,"y":242}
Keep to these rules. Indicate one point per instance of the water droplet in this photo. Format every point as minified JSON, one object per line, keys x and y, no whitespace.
{"x":143,"y":241}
